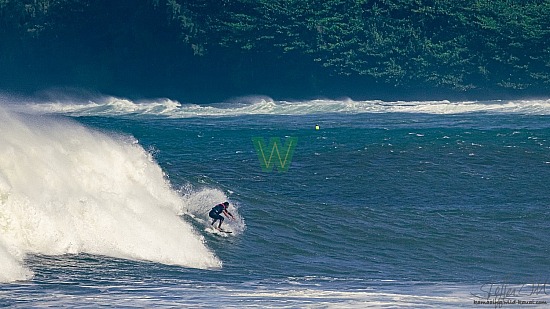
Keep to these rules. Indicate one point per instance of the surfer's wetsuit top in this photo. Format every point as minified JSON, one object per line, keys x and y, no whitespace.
{"x":216,"y":212}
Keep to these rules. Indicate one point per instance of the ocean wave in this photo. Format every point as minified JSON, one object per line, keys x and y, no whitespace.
{"x":112,"y":106}
{"x":65,"y":189}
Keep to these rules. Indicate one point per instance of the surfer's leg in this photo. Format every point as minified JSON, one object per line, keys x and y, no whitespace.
{"x":221,"y":221}
{"x":214,"y":216}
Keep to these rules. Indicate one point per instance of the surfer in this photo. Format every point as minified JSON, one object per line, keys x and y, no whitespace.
{"x":216,"y":212}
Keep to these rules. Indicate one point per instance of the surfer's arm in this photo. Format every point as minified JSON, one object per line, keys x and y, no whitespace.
{"x":227,"y":214}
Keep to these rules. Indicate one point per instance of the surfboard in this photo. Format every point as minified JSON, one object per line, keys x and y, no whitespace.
{"x":218,"y":232}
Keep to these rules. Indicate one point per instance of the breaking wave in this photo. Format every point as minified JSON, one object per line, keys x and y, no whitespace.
{"x":112,"y":106}
{"x":65,"y":188}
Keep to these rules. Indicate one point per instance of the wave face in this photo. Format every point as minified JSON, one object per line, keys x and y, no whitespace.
{"x":68,"y":189}
{"x":111,"y":106}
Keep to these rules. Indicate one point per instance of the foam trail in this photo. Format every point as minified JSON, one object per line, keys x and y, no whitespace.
{"x":68,"y":189}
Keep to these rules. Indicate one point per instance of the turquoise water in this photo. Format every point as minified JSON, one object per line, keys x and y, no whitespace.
{"x":418,"y":204}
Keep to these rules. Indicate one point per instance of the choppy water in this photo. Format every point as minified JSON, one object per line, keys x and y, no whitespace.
{"x":389,"y":204}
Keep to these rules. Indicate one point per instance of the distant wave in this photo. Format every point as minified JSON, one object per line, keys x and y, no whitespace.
{"x":111,"y":106}
{"x":65,"y":188}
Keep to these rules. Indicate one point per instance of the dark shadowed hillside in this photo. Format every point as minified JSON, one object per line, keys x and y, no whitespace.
{"x":215,"y":49}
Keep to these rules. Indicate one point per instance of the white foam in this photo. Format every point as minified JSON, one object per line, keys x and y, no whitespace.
{"x":108,"y":106}
{"x":111,"y":106}
{"x":370,"y":298}
{"x":12,"y":268}
{"x":68,"y":189}
{"x":201,"y":202}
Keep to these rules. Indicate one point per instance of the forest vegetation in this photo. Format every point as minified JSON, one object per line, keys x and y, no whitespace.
{"x":211,"y":50}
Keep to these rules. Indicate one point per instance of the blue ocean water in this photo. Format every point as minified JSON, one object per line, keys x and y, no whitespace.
{"x":388,"y":204}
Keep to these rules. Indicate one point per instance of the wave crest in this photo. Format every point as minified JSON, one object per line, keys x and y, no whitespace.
{"x":112,"y":106}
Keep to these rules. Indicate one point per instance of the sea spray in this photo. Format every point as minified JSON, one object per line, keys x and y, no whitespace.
{"x":67,"y":189}
{"x":201,"y":201}
{"x":112,"y":107}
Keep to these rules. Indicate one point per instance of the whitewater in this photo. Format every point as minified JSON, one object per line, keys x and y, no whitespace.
{"x":67,"y":189}
{"x":113,"y":106}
